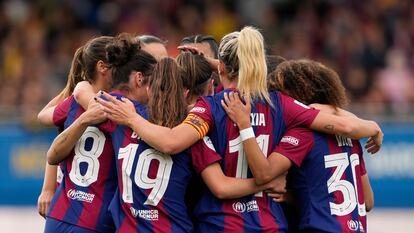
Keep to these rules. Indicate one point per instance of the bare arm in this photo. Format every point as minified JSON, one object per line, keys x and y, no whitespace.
{"x":224,"y":187}
{"x":166,"y":140}
{"x":346,"y":125}
{"x":264,"y":168}
{"x":66,"y":140}
{"x":331,"y":110}
{"x":368,"y":193}
{"x":48,"y":190}
{"x":350,"y":127}
{"x":374,"y":143}
{"x":45,"y":116}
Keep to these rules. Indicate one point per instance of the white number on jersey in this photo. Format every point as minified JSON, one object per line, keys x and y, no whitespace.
{"x":236,"y":145}
{"x":350,"y":194}
{"x":158,"y":184}
{"x":59,"y":174}
{"x":90,"y":157}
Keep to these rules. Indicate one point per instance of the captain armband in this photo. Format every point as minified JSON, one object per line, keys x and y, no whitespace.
{"x":198,"y":123}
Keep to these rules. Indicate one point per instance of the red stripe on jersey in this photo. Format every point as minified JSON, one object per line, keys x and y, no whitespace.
{"x":338,"y":196}
{"x":91,"y":211}
{"x":356,"y":149}
{"x":127,"y":226}
{"x":163,"y":225}
{"x":234,"y":222}
{"x":63,"y":203}
{"x":267,"y":218}
{"x":129,"y":223}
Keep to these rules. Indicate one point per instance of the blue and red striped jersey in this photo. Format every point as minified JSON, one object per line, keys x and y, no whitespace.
{"x":89,"y":175}
{"x":151,"y":185}
{"x":254,"y":213}
{"x":326,"y":180}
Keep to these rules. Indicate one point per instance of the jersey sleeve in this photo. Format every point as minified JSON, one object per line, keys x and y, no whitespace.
{"x":200,"y":117}
{"x":61,"y":111}
{"x":296,"y":113}
{"x":203,"y":154}
{"x":295,"y":145}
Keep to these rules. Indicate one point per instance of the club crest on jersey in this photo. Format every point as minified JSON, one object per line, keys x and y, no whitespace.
{"x":291,"y":140}
{"x":80,"y":195}
{"x":354,"y":225}
{"x":257,"y":119}
{"x":241,"y":207}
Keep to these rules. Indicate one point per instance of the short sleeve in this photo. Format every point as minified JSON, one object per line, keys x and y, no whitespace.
{"x":61,"y":111}
{"x":203,"y":154}
{"x":200,"y":117}
{"x":296,"y":113}
{"x":295,"y":145}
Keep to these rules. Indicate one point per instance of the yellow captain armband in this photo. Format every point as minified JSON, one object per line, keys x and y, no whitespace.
{"x":198,"y":123}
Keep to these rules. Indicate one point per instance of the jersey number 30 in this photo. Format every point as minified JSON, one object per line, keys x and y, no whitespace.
{"x":350,"y":194}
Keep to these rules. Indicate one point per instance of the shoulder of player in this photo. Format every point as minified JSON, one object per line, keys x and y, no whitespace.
{"x":299,"y":135}
{"x":67,"y":102}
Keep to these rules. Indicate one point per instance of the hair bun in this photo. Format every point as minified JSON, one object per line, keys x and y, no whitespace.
{"x":122,"y":49}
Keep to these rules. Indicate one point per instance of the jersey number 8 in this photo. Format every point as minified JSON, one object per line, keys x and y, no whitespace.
{"x":87,"y":155}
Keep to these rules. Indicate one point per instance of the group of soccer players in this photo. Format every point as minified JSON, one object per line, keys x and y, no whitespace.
{"x":146,"y":145}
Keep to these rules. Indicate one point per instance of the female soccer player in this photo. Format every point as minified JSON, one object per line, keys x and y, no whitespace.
{"x":87,"y":64}
{"x":207,"y":46}
{"x":327,"y":174}
{"x":81,"y":200}
{"x":242,"y":65}
{"x":198,"y":75}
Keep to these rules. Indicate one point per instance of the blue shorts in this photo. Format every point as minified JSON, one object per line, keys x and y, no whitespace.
{"x":55,"y":226}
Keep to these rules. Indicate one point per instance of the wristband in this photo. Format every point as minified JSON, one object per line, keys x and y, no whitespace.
{"x":247,"y":133}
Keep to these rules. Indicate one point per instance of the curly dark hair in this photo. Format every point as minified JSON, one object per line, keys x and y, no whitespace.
{"x":309,"y":82}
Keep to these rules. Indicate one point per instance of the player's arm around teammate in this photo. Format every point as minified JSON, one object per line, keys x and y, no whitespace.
{"x":65,"y":141}
{"x":240,"y":113}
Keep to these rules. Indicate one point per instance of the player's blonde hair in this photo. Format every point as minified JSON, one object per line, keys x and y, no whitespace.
{"x":243,"y":55}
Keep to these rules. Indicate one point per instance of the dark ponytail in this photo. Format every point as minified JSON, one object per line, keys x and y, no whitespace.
{"x":84,"y":63}
{"x":75,"y":74}
{"x":125,"y":55}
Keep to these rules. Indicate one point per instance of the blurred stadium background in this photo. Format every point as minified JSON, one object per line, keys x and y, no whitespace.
{"x":370,"y":43}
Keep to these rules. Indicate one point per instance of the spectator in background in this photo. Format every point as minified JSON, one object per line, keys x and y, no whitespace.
{"x":37,"y":38}
{"x":397,"y":82}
